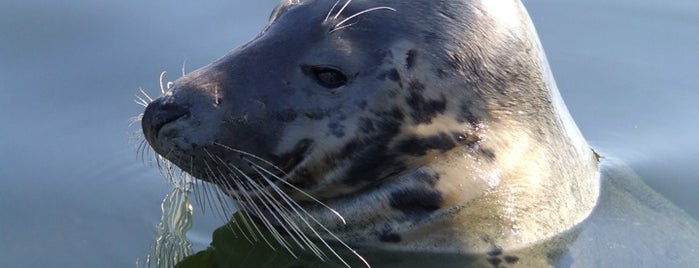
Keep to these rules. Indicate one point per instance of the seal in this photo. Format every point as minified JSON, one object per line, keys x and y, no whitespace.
{"x":422,"y":126}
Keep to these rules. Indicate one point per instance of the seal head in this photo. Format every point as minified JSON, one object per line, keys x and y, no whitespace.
{"x":428,"y":125}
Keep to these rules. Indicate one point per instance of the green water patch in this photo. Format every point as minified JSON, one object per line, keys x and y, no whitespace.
{"x":230,"y":248}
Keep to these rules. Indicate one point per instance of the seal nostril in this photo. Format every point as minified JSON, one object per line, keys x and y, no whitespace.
{"x":159,"y":113}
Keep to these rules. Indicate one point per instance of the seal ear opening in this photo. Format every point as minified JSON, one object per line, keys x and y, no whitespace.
{"x":326,"y":76}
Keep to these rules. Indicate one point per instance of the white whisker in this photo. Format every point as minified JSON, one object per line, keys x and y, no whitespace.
{"x":342,"y":9}
{"x":283,"y":180}
{"x":184,"y":63}
{"x":135,"y":120}
{"x":257,"y":211}
{"x":283,"y":212}
{"x":162,"y":86}
{"x":321,"y":225}
{"x":292,"y":205}
{"x":339,"y":24}
{"x":331,"y":11}
{"x":140,"y":101}
{"x":222,"y":178}
{"x":146,"y":95}
{"x":242,"y":205}
{"x":267,"y":197}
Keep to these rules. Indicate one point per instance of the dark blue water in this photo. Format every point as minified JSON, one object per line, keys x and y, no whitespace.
{"x":75,"y":193}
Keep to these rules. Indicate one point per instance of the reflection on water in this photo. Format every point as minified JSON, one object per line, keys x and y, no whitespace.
{"x":171,"y":243}
{"x":75,"y":194}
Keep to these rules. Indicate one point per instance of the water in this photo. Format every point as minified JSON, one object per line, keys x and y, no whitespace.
{"x":75,"y":193}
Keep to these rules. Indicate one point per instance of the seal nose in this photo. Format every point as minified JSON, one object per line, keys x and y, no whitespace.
{"x":159,"y":113}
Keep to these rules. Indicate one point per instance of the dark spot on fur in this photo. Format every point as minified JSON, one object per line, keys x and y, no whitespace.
{"x":410,"y":59}
{"x":416,"y":86}
{"x":373,"y":165}
{"x":372,"y":160}
{"x":494,"y":261}
{"x":416,"y":203}
{"x":466,"y":115}
{"x":349,"y":149}
{"x":391,"y":74}
{"x":390,"y":125}
{"x":287,"y":115}
{"x":496,"y":251}
{"x":394,"y":113}
{"x":419,"y":146}
{"x":394,"y":75}
{"x":292,"y":158}
{"x":423,"y":110}
{"x":336,"y":129}
{"x":366,"y":125}
{"x":511,"y":259}
{"x":487,"y":153}
{"x":317,"y":114}
{"x":303,"y":179}
{"x":467,"y":139}
{"x":389,"y":237}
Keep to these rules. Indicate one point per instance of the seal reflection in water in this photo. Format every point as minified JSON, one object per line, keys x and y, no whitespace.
{"x":421,"y":126}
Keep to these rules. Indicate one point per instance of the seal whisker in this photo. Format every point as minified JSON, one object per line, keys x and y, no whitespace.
{"x":293,"y":205}
{"x":337,"y":214}
{"x":317,"y":222}
{"x":268,"y":199}
{"x":162,"y":86}
{"x":148,"y":97}
{"x":339,"y":24}
{"x":216,"y":193}
{"x":184,"y":63}
{"x":210,"y":194}
{"x":140,"y":101}
{"x":142,"y":149}
{"x":221,"y":178}
{"x":136,"y":119}
{"x":342,"y":9}
{"x":283,"y":211}
{"x":284,"y":222}
{"x":331,"y":11}
{"x":257,"y":211}
{"x":250,"y":155}
{"x":334,"y":29}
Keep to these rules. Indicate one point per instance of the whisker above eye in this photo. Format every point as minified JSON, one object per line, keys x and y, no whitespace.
{"x":340,"y":24}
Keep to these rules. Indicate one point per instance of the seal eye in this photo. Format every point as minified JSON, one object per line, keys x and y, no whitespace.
{"x":327,"y":76}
